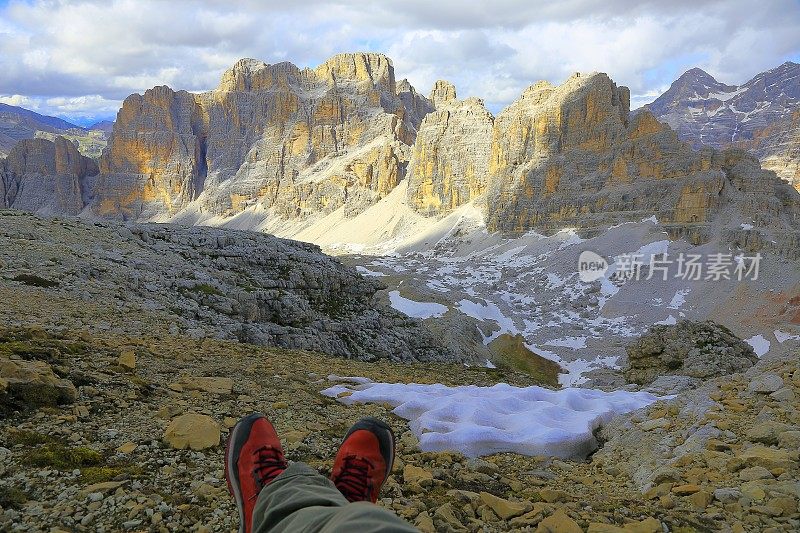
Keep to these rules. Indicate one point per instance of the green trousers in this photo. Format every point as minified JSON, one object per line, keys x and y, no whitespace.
{"x":302,"y":500}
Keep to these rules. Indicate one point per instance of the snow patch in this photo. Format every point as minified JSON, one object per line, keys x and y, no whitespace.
{"x":669,"y":321}
{"x":679,"y":298}
{"x":416,"y":309}
{"x":575,"y":343}
{"x":502,"y":418}
{"x":782,"y":336}
{"x":367,"y":272}
{"x":489,"y":312}
{"x":759,"y":344}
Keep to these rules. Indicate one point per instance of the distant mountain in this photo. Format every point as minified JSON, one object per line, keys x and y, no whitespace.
{"x":104,"y":125}
{"x":757,"y":115}
{"x":17,"y":123}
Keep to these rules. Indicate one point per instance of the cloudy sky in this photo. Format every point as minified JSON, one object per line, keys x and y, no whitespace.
{"x":79,"y":59}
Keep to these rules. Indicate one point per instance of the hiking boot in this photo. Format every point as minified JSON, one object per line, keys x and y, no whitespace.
{"x":364,"y":460}
{"x":253,"y":458}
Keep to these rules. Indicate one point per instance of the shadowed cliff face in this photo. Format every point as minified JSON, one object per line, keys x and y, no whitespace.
{"x":45,"y":176}
{"x":299,"y":141}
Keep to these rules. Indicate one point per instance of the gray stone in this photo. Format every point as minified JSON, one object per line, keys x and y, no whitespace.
{"x":765,"y":383}
{"x":727,"y":494}
{"x":695,"y":349}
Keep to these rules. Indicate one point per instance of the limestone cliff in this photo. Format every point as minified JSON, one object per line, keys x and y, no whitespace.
{"x":298,"y":142}
{"x":778,"y":148}
{"x":290,"y":146}
{"x":570,"y":156}
{"x":45,"y":176}
{"x":155,"y":158}
{"x":443,"y":92}
{"x":449,"y":164}
{"x":415,"y":105}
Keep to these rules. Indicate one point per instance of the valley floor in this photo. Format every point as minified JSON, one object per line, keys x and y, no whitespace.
{"x":100,"y":464}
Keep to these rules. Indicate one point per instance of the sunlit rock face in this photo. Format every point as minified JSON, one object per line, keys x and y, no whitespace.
{"x":450,"y":160}
{"x":571,"y":156}
{"x":285,"y":147}
{"x":778,"y":148}
{"x":298,"y":141}
{"x":45,"y":176}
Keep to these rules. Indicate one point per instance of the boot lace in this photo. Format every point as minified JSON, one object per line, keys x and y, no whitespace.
{"x":269,"y":463}
{"x":354,"y":481}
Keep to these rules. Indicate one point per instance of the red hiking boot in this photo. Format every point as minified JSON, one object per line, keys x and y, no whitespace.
{"x":253,"y":458}
{"x":364,"y":460}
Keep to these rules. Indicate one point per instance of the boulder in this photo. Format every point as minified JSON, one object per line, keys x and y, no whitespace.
{"x":31,"y":384}
{"x":192,"y":431}
{"x":127,"y":360}
{"x":695,"y":349}
{"x":559,"y":522}
{"x":503,"y":508}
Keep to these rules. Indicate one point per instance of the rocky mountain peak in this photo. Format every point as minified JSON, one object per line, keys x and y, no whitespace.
{"x":374,"y":68}
{"x":442,"y":93}
{"x":757,"y":115}
{"x":44,"y":157}
{"x":449,"y":164}
{"x":239,"y":76}
{"x":415,"y":105}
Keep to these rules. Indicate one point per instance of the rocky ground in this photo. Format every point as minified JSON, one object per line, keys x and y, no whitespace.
{"x":723,"y":458}
{"x":118,"y":351}
{"x":199,"y":282}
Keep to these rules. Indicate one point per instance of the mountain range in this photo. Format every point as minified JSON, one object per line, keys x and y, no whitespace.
{"x":18,"y":123}
{"x":761,"y":115}
{"x":291,"y":151}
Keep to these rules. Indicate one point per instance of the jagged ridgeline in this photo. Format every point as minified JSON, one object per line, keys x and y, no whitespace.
{"x":282,"y":143}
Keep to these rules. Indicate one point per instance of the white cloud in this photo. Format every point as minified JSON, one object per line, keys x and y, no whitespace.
{"x":19,"y":101}
{"x":57,"y":53}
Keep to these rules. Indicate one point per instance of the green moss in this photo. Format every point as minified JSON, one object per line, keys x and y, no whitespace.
{"x":60,"y":457}
{"x":99,"y":474}
{"x":511,"y":353}
{"x":12,"y":498}
{"x":24,"y":437}
{"x":208,"y":290}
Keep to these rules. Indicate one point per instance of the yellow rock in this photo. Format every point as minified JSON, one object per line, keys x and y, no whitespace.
{"x":446,"y":514}
{"x":192,"y":431}
{"x":424,"y":523}
{"x":552,"y":495}
{"x":701,"y":499}
{"x":503,"y":508}
{"x":127,"y":360}
{"x":415,"y":474}
{"x":685,"y":490}
{"x":558,"y":522}
{"x":128,"y":447}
